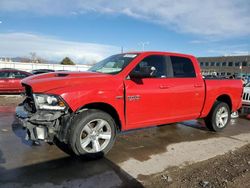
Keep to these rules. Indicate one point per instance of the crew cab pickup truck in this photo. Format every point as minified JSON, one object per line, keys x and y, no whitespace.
{"x":84,"y":111}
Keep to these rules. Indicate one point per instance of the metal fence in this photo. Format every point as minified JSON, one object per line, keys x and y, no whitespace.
{"x":31,"y":66}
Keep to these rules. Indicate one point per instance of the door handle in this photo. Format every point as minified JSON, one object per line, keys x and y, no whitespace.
{"x":198,"y":85}
{"x":164,"y":86}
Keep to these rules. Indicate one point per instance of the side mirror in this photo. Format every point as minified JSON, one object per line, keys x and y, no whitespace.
{"x":144,"y":72}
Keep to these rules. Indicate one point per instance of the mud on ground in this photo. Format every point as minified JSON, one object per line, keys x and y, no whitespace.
{"x":229,"y":170}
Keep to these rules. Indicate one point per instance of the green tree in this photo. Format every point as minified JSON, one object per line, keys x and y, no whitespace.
{"x":67,"y":61}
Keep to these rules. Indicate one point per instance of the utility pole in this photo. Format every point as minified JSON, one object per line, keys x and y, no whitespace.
{"x":143,"y":44}
{"x":248,"y":64}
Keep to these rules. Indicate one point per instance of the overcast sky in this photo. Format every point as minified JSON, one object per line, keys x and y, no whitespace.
{"x":91,"y":30}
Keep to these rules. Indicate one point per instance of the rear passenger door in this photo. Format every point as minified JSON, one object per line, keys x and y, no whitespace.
{"x":188,"y":89}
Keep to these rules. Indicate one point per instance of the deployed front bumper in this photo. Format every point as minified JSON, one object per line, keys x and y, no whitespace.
{"x":41,"y":125}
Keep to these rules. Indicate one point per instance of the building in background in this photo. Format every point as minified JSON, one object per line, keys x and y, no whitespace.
{"x":225,"y":66}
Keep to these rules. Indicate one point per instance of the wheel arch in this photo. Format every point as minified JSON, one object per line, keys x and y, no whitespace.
{"x":106,"y":108}
{"x":226,"y":99}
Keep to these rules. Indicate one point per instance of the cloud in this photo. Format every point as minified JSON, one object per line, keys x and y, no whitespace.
{"x":1,"y":22}
{"x":233,"y":49}
{"x":227,"y":53}
{"x":22,"y":44}
{"x":224,"y":18}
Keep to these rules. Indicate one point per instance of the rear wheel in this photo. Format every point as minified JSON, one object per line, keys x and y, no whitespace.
{"x":92,"y":134}
{"x":219,"y":117}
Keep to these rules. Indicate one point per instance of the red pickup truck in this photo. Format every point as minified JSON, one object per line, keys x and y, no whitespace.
{"x":85,"y":110}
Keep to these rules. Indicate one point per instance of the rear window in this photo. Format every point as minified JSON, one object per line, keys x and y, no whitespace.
{"x":182,"y":67}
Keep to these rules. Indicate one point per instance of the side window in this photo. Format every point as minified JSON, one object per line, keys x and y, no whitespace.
{"x":17,"y":75}
{"x":20,"y":75}
{"x":4,"y":74}
{"x":12,"y":75}
{"x":182,"y":67}
{"x":161,"y":65}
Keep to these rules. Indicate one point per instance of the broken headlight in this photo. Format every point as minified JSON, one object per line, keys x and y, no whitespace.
{"x":49,"y":102}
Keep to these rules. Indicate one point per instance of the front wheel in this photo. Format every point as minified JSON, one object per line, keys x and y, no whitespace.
{"x":92,"y":134}
{"x":219,"y":117}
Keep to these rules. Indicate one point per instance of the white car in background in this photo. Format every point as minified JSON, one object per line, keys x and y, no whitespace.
{"x":245,"y":102}
{"x":246,"y":96}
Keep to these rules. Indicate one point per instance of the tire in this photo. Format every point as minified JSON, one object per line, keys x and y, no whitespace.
{"x":219,"y":117}
{"x":62,"y":146}
{"x":96,"y":130}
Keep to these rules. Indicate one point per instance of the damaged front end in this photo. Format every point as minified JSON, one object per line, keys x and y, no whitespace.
{"x":43,"y":116}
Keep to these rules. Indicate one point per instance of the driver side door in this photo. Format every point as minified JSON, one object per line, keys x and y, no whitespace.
{"x":148,"y":99}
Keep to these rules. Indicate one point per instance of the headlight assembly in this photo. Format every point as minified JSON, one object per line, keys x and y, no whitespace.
{"x":49,"y":102}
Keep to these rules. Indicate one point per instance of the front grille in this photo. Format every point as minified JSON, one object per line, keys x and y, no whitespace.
{"x":29,"y":103}
{"x":246,"y":96}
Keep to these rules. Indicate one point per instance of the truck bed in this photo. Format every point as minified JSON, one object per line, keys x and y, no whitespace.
{"x":218,"y":87}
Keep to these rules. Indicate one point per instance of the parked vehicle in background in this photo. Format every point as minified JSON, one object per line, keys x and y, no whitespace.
{"x":85,"y":110}
{"x":41,"y":71}
{"x":10,"y":80}
{"x":246,"y":96}
{"x":210,"y":76}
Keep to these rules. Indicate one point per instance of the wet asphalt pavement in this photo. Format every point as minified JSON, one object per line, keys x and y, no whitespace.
{"x":23,"y":164}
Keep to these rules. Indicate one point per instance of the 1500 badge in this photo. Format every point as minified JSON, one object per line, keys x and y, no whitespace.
{"x":134,"y":97}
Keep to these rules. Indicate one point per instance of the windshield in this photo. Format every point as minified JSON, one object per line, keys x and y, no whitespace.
{"x":248,"y":85}
{"x":113,"y":64}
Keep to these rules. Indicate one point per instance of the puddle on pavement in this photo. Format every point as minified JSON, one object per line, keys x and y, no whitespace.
{"x":65,"y":172}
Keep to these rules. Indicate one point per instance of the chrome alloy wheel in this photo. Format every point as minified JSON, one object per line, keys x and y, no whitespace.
{"x":95,"y":136}
{"x":222,"y":117}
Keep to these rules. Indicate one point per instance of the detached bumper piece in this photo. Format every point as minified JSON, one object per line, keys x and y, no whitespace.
{"x":41,"y":125}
